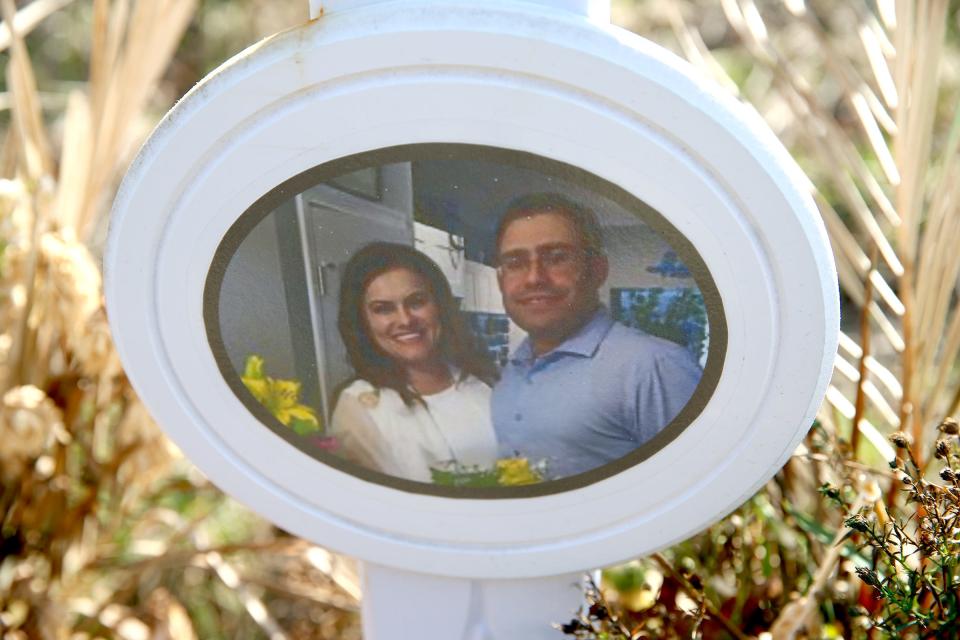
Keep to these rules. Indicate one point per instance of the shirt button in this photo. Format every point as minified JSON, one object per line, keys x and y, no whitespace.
{"x":518,"y":416}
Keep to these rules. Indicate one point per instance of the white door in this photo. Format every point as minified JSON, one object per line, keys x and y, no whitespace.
{"x":335,"y":220}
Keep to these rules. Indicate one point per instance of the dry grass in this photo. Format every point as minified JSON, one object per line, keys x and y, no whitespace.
{"x":107,"y":532}
{"x":869,"y":113}
{"x":865,"y":96}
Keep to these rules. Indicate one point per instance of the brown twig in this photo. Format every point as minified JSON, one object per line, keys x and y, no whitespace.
{"x":178,"y":558}
{"x":860,"y":399}
{"x":694,"y":593}
{"x":27,"y":18}
{"x":852,"y":464}
{"x":908,"y":418}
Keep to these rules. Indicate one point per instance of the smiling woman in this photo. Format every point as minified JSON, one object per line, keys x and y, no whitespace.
{"x":420,"y":395}
{"x":475,"y":322}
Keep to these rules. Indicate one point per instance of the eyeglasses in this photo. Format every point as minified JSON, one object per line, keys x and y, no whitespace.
{"x":555,"y":259}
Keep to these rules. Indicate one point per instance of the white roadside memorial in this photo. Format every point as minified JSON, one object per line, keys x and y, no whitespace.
{"x":379,"y":114}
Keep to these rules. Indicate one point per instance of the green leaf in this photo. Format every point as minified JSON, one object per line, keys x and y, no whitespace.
{"x":304,"y":427}
{"x":825,"y":535}
{"x":457,"y":476}
{"x":253,"y":367}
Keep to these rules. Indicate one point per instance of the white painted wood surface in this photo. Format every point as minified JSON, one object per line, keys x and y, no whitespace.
{"x":404,"y":604}
{"x":522,"y":76}
{"x":510,"y":75}
{"x":595,"y":10}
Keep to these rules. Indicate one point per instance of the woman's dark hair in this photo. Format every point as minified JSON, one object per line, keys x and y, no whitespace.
{"x":458,"y":345}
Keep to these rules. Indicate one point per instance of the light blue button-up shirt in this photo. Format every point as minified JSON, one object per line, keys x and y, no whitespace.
{"x":595,"y":398}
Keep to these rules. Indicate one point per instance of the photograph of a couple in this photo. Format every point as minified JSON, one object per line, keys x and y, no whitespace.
{"x":465,"y":318}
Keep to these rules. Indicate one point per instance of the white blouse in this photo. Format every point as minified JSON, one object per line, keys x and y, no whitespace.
{"x":377,"y":430}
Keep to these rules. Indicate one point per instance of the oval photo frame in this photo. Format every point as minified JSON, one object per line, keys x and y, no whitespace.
{"x":447,"y":166}
{"x":524,"y":79}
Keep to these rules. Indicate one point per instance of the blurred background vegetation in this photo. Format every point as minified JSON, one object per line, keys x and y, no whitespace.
{"x":107,"y":532}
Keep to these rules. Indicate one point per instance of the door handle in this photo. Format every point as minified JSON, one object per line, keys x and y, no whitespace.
{"x":322,"y":275}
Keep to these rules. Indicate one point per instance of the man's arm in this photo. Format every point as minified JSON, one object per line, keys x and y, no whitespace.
{"x":666,"y":383}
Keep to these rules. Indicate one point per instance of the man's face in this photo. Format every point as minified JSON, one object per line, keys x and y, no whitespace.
{"x":547,"y":279}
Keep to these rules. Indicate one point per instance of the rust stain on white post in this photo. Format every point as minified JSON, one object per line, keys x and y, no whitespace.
{"x":595,"y":10}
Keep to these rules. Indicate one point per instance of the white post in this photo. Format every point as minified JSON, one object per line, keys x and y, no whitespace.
{"x":595,"y":10}
{"x":402,"y":605}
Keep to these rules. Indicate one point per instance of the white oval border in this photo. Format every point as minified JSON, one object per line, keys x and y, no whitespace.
{"x":528,"y":79}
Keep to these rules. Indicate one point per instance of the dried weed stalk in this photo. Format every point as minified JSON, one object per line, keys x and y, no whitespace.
{"x":914,"y":562}
{"x":865,"y":96}
{"x":105,"y":531}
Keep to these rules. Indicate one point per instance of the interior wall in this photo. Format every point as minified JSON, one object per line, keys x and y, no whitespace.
{"x":253,"y":305}
{"x":632,"y":251}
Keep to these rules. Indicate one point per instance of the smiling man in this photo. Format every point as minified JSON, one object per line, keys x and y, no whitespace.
{"x":581,"y":390}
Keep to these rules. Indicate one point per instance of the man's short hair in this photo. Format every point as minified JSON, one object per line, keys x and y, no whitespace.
{"x":584,"y":220}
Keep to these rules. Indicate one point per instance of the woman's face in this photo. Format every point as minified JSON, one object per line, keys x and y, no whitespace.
{"x":403,"y":317}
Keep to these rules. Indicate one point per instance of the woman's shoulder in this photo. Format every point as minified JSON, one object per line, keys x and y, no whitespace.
{"x":367,"y":395}
{"x":357,"y":387}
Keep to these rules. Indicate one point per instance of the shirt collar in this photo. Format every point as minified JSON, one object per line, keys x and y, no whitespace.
{"x":582,"y":343}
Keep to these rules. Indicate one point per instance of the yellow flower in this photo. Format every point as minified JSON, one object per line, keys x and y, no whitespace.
{"x":279,"y":397}
{"x":513,"y":472}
